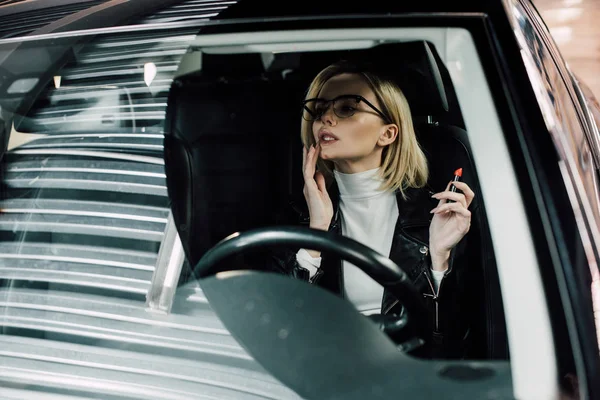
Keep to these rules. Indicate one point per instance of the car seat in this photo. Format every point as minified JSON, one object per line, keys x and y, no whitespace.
{"x":233,"y":153}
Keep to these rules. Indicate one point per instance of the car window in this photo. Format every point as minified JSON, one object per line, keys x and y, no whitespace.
{"x":84,"y":227}
{"x":95,"y":286}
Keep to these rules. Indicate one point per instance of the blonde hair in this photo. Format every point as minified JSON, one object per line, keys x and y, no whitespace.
{"x":403,"y":162}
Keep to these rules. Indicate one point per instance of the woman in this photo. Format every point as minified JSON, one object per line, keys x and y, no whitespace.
{"x":365,"y":177}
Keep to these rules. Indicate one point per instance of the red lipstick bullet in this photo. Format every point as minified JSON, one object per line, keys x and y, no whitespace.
{"x":457,"y":176}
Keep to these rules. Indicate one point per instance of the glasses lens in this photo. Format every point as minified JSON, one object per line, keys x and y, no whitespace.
{"x":314,"y":109}
{"x":345,"y":107}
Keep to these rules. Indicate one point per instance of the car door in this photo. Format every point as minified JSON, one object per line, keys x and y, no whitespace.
{"x":575,"y":139}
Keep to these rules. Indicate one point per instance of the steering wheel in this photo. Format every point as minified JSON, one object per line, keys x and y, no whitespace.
{"x":409,"y":329}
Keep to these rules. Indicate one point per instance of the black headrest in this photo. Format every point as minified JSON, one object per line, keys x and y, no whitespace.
{"x":231,"y":65}
{"x":412,"y":65}
{"x":414,"y":68}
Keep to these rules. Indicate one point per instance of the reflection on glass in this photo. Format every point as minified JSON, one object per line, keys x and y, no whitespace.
{"x":565,"y":122}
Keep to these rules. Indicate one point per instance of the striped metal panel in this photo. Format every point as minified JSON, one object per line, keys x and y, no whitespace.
{"x":80,"y":232}
{"x":23,"y":23}
{"x":104,"y":91}
{"x":94,"y":181}
{"x":84,"y":217}
{"x":104,"y":268}
{"x":189,"y":10}
{"x":9,"y":2}
{"x":117,"y":349}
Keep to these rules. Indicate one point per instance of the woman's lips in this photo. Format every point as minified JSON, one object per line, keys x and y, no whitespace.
{"x":325,"y":142}
{"x":327,"y":138}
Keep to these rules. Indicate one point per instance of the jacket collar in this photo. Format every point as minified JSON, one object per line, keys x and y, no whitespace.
{"x":412,"y":209}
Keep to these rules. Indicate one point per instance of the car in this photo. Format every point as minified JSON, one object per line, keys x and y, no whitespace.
{"x":151,"y":151}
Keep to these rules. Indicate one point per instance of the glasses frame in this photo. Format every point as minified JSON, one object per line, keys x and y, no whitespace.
{"x":358,"y":99}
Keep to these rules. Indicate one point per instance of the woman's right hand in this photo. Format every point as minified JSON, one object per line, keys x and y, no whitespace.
{"x":319,"y":204}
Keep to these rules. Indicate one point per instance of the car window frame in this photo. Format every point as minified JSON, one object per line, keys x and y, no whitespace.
{"x":578,"y":307}
{"x":589,"y":103}
{"x":486,"y":70}
{"x":530,"y":380}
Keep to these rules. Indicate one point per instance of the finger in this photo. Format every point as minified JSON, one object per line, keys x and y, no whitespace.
{"x":304,"y":160}
{"x":309,"y":169}
{"x":321,"y":182}
{"x":448,"y":195}
{"x":443,"y":201}
{"x":303,"y":157}
{"x":316,"y":155}
{"x":469,"y":194}
{"x":312,"y":160}
{"x":452,"y":207}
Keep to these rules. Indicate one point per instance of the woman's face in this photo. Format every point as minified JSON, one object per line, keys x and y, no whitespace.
{"x":355,"y":143}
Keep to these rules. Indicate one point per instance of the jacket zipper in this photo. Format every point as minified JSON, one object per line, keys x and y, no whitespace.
{"x":434,"y":296}
{"x":335,"y":227}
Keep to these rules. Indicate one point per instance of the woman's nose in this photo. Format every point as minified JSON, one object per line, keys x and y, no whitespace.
{"x":329,"y":116}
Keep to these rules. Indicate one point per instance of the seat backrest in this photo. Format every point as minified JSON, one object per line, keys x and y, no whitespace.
{"x":227,"y":143}
{"x":447,"y":147}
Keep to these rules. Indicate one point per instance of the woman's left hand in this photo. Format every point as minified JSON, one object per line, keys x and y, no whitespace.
{"x":450,"y":223}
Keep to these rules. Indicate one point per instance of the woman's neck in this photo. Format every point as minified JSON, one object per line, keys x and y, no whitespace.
{"x":359,"y":185}
{"x":356,"y":166}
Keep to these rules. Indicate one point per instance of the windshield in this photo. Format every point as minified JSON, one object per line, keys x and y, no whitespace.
{"x":97,"y":290}
{"x":84,"y":218}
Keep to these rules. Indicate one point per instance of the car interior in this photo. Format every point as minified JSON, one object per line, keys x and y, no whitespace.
{"x":233,"y":153}
{"x":89,"y":211}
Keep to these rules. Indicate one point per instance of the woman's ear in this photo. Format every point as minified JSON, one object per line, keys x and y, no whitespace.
{"x":388,"y":136}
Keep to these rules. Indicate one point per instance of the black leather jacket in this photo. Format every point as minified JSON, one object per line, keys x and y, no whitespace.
{"x":448,"y":309}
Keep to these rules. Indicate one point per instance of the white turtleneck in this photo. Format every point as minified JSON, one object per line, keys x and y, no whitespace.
{"x":368,"y":215}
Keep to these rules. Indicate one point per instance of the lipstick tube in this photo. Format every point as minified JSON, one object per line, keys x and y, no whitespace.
{"x":457,"y":178}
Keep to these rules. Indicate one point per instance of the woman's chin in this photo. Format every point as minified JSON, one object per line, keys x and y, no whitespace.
{"x":333,"y":154}
{"x":325,"y":154}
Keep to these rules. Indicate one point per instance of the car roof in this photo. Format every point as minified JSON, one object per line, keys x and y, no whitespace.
{"x":71,"y":15}
{"x":265,"y":8}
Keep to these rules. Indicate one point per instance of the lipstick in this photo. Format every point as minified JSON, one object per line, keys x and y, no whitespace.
{"x":457,"y":176}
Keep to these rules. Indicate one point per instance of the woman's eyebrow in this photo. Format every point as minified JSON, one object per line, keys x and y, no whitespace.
{"x":344,"y":95}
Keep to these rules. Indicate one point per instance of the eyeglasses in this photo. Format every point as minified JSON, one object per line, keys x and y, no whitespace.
{"x":344,"y":106}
